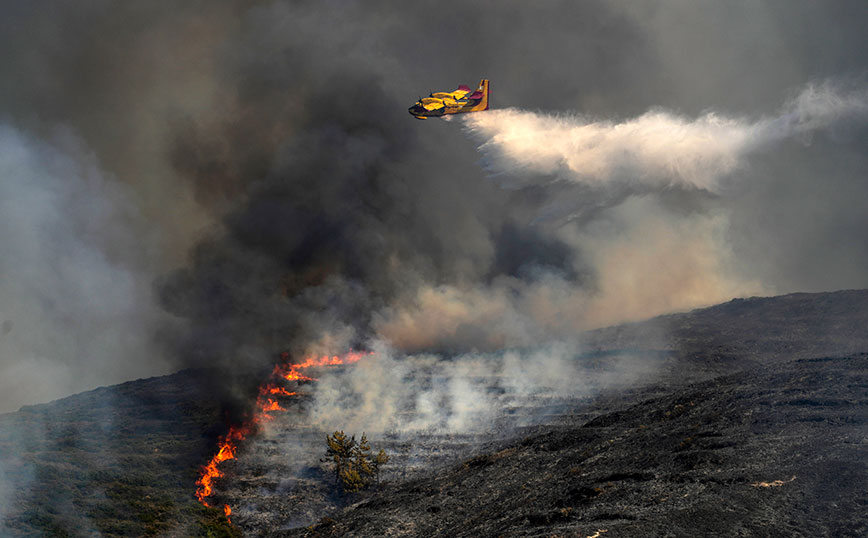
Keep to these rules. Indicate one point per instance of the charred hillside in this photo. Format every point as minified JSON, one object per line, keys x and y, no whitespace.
{"x":778,"y":451}
{"x":741,"y":396}
{"x":751,"y":331}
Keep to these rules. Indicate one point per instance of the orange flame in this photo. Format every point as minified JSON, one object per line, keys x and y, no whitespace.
{"x":280,"y":390}
{"x":272,"y":405}
{"x":227,"y":445}
{"x":290,"y":372}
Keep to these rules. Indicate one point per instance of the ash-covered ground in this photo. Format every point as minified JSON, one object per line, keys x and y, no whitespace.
{"x":747,"y":418}
{"x":542,"y":463}
{"x":778,"y":451}
{"x":280,"y":480}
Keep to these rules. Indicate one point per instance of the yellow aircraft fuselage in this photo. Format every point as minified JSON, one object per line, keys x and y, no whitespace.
{"x":456,"y":102}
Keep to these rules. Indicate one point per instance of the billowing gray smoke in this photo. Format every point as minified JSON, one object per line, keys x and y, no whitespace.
{"x":74,"y":293}
{"x":288,"y":202}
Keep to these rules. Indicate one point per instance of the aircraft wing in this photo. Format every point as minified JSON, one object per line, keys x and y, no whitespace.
{"x":456,"y":95}
{"x":459,"y":93}
{"x":432,"y":103}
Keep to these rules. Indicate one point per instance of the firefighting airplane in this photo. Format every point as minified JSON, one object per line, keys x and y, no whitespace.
{"x":456,"y":102}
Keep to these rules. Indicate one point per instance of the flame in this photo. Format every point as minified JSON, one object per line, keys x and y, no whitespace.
{"x":272,"y":405}
{"x":280,"y":390}
{"x":265,"y":404}
{"x":226,"y":451}
{"x":290,"y":372}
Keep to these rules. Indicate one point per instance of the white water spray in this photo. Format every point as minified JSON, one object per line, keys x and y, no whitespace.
{"x":658,"y":149}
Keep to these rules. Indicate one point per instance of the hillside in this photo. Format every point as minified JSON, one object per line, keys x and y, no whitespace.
{"x":739,"y":400}
{"x":750,"y":331}
{"x":115,"y":461}
{"x":774,"y":453}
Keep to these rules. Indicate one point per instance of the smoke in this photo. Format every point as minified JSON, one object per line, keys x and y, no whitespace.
{"x":526,"y":332}
{"x":391,"y":392}
{"x":657,"y":150}
{"x":644,"y":259}
{"x":251,"y":166}
{"x":277,"y":196}
{"x":347,"y":224}
{"x":72,"y":298}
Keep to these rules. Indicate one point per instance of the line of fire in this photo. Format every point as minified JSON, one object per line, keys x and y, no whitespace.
{"x":267,"y":402}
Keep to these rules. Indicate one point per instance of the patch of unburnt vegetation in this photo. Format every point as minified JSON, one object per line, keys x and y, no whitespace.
{"x":117,"y":461}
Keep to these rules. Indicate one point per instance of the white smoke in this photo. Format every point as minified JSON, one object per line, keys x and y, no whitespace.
{"x":656,"y":150}
{"x":528,"y":333}
{"x":389,"y":392}
{"x":76,"y":308}
{"x":646,"y":261}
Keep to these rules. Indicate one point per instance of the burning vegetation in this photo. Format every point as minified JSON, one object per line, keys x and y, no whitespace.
{"x":266,"y":403}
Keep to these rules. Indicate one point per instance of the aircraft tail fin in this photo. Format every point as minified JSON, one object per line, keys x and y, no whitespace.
{"x":483,"y":88}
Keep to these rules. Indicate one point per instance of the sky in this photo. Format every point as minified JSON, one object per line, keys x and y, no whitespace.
{"x":208,"y":184}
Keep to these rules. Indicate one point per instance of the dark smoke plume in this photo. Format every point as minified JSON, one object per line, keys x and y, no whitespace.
{"x":290,"y":203}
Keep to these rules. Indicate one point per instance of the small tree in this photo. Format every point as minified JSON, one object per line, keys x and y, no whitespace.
{"x":339,"y":451}
{"x":352,"y":480}
{"x":362,"y":461}
{"x":354,"y":467}
{"x":381,"y":459}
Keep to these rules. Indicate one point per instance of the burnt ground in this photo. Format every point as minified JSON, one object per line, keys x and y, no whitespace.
{"x":748,"y":332}
{"x":278,"y":485}
{"x":741,"y":396}
{"x":777,"y":451}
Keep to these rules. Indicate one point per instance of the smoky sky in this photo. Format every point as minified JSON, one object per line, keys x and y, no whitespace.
{"x":283,"y":199}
